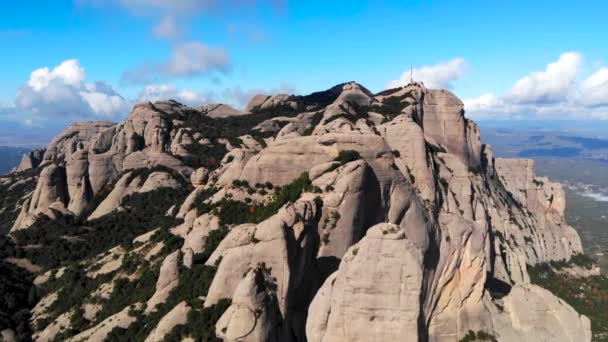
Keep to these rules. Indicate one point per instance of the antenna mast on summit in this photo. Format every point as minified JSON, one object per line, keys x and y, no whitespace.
{"x":411,"y":74}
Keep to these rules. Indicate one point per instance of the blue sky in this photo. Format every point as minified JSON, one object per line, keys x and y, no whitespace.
{"x":495,"y":56}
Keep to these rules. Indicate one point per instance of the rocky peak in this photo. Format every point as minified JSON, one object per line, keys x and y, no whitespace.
{"x":220,"y":110}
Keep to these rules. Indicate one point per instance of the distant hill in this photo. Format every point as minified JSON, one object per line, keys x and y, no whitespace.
{"x":10,"y":157}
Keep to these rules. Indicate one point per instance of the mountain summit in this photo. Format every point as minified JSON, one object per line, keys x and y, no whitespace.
{"x":342,"y":215}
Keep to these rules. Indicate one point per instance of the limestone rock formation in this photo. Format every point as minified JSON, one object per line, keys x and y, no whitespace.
{"x":50,"y":190}
{"x":285,"y":243}
{"x":532,"y":313}
{"x":167,"y":280}
{"x":254,"y":314}
{"x":220,"y":110}
{"x":127,"y":185}
{"x":374,"y":295}
{"x":178,"y":315}
{"x":341,"y":215}
{"x":30,"y":160}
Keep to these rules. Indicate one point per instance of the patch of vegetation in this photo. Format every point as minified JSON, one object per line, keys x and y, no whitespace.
{"x":314,"y":122}
{"x":478,"y":336}
{"x":347,"y":156}
{"x":587,"y":295}
{"x":392,"y":106}
{"x":193,"y":283}
{"x":200,"y":325}
{"x":11,"y":196}
{"x":345,"y":116}
{"x":128,"y":292}
{"x":231,"y":211}
{"x":200,"y":202}
{"x":51,"y":243}
{"x":580,"y":260}
{"x":16,"y":300}
{"x":73,"y":288}
{"x":209,"y":156}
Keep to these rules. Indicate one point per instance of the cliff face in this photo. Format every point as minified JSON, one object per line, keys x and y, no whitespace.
{"x":399,"y":225}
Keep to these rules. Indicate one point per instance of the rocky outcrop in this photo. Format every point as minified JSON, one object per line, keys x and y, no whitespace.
{"x":30,"y":160}
{"x":51,"y":194}
{"x":99,"y":332}
{"x":177,"y":316}
{"x":532,"y":313}
{"x":261,"y":102}
{"x":286,"y":243}
{"x":199,"y":176}
{"x":125,"y":186}
{"x":351,"y":204}
{"x":220,"y":110}
{"x":374,"y":295}
{"x":546,"y":202}
{"x":159,"y":179}
{"x":406,"y":139}
{"x":254,"y":314}
{"x":76,"y":137}
{"x":167,"y":280}
{"x":444,"y":122}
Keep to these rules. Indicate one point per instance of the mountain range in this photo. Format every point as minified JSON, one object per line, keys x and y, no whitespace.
{"x":341,"y":215}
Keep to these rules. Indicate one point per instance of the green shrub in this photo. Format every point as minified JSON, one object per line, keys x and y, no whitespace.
{"x":347,"y":156}
{"x":237,"y":212}
{"x":193,"y":283}
{"x":200,"y":323}
{"x":478,"y":336}
{"x":587,"y":295}
{"x":16,"y":299}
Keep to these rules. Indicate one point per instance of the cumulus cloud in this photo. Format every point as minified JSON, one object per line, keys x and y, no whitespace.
{"x":156,"y":92}
{"x":438,"y":76}
{"x":62,"y":92}
{"x":554,"y":93}
{"x":186,"y":60}
{"x":550,"y":86}
{"x":594,"y":89}
{"x":484,"y":102}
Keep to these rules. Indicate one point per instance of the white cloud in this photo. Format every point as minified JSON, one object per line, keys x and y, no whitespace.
{"x":194,"y":58}
{"x":440,"y":76}
{"x":187,"y":59}
{"x":62,"y":91}
{"x":156,"y":92}
{"x":69,"y":72}
{"x":594,"y":89}
{"x":166,"y":27}
{"x":550,"y":86}
{"x":550,"y":94}
{"x":484,"y":102}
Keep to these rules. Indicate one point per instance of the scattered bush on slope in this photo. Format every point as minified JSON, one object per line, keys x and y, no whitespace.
{"x":587,"y":295}
{"x":236,"y":212}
